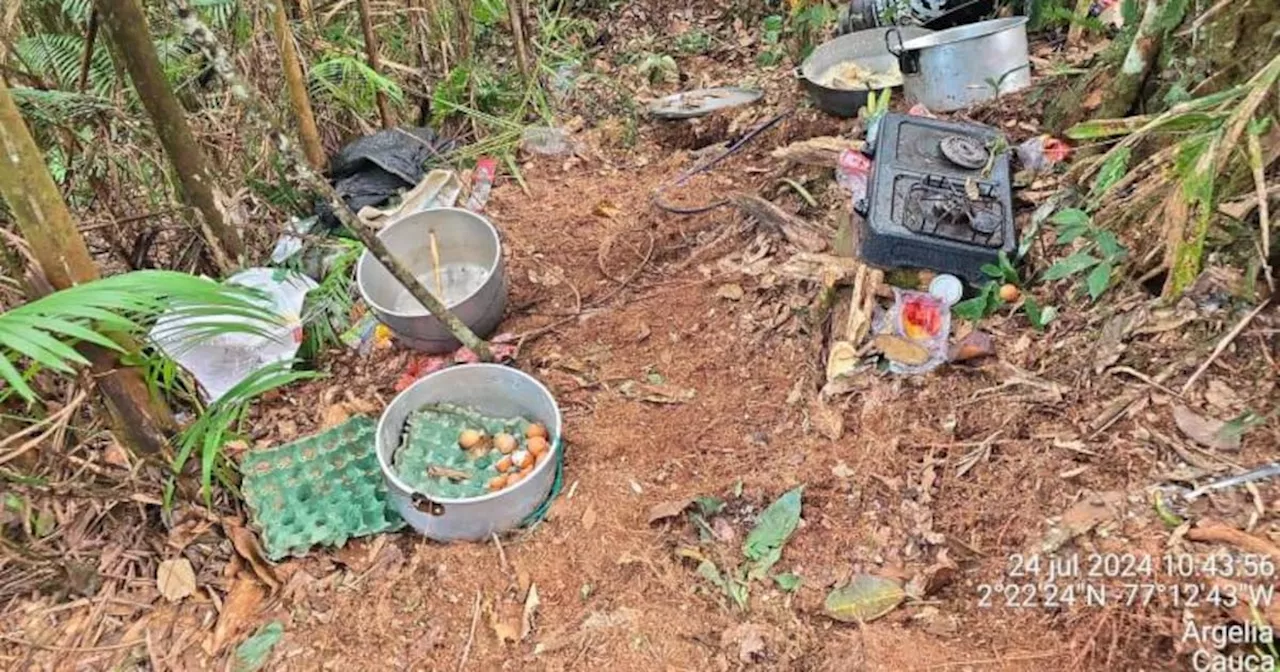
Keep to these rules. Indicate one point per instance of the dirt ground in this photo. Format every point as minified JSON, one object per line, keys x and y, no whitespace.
{"x":934,"y":481}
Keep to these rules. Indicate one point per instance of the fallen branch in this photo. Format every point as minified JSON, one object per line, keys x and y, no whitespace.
{"x":800,"y":233}
{"x":209,"y":45}
{"x":1222,"y":534}
{"x":1222,"y":345}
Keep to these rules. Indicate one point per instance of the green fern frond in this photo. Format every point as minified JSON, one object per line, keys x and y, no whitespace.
{"x":350,"y":82}
{"x":59,"y":108}
{"x":217,"y":12}
{"x":57,"y":57}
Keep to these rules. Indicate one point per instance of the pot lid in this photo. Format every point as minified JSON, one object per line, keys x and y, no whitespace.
{"x":700,"y":102}
{"x":961,"y":33}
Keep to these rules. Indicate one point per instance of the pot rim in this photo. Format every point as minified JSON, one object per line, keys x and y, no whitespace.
{"x":367,"y":257}
{"x":398,"y":486}
{"x":805,"y":70}
{"x":963,"y":33}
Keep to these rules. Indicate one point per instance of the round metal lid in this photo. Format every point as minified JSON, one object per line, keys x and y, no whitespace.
{"x":963,"y":151}
{"x":700,"y":102}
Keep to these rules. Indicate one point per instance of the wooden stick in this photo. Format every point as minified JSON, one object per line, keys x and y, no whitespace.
{"x":1222,"y":345}
{"x":471,"y":638}
{"x":435,"y":260}
{"x":212,"y":49}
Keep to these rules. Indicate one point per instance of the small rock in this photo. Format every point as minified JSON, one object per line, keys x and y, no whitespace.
{"x":731,"y":291}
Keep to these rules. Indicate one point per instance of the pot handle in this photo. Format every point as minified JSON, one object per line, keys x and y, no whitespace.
{"x":424,"y":504}
{"x":798,"y":74}
{"x":888,"y":43}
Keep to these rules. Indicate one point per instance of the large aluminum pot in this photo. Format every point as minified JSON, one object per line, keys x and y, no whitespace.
{"x":471,"y":271}
{"x":867,"y":49}
{"x":491,"y":389}
{"x":958,"y":67}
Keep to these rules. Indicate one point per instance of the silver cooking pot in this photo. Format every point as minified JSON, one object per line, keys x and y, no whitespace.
{"x":952,"y":69}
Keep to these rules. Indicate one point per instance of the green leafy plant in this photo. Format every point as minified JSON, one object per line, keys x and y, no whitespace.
{"x":658,"y":68}
{"x":988,"y":300}
{"x":761,"y":550}
{"x":219,"y":424}
{"x":1100,"y":253}
{"x":695,"y":42}
{"x":44,"y":332}
{"x":351,"y":83}
{"x":809,"y":23}
{"x":771,"y":37}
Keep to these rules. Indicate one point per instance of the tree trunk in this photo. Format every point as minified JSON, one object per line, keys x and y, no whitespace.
{"x":128,"y":29}
{"x":371,"y":50}
{"x":46,"y":224}
{"x":221,"y":62}
{"x":297,"y":85}
{"x":1125,"y":88}
{"x":517,"y":31}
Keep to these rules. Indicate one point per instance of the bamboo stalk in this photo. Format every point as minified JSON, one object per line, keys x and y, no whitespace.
{"x":208,"y":43}
{"x":296,"y":84}
{"x":517,"y":32}
{"x":127,"y":26}
{"x":371,"y":51}
{"x":42,"y":216}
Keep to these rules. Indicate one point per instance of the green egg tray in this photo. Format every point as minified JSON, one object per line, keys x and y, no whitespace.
{"x":431,"y":438}
{"x":320,"y":490}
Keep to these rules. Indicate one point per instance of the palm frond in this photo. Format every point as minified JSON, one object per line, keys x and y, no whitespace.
{"x":217,"y":12}
{"x":57,"y":58}
{"x":44,"y":331}
{"x":59,"y":108}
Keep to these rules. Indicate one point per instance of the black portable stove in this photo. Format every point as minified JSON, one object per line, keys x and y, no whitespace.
{"x":937,"y":198}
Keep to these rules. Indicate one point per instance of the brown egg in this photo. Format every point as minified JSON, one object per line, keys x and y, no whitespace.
{"x":470,"y":438}
{"x":505,"y":443}
{"x":499,"y":482}
{"x":526,"y":471}
{"x":536,"y":429}
{"x":504,"y":465}
{"x":1009,"y":293}
{"x":522,"y":458}
{"x":512,"y":479}
{"x":538,"y":446}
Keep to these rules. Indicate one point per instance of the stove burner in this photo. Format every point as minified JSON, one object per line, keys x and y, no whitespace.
{"x":964,"y":151}
{"x":938,"y":206}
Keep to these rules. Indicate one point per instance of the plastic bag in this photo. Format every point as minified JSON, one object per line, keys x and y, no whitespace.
{"x":920,"y":319}
{"x":219,"y":363}
{"x":853,"y":172}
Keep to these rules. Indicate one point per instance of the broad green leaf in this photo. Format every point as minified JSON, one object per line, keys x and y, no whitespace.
{"x":865,"y":599}
{"x":788,"y":582}
{"x":1040,"y":317}
{"x":1108,"y":245}
{"x":774,"y":527}
{"x":1006,"y":267}
{"x":253,"y":653}
{"x":15,"y":380}
{"x":971,"y":309}
{"x":1070,"y":266}
{"x":992,"y":271}
{"x":1070,"y":216}
{"x":709,"y":506}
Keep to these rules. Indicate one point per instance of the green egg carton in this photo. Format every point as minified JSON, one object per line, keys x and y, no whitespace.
{"x":431,"y":439}
{"x":320,"y":490}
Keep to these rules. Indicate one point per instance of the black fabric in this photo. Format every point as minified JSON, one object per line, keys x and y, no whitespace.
{"x":372,"y":169}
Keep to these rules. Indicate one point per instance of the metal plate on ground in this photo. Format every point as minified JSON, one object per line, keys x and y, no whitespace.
{"x":701,"y":102}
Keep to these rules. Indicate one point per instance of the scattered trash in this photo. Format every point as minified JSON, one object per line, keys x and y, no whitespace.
{"x":482,"y":183}
{"x":1207,"y":432}
{"x":319,"y":490}
{"x":853,"y":172}
{"x":372,"y":169}
{"x":175,"y":579}
{"x":546,"y":141}
{"x":438,"y":189}
{"x":946,"y":288}
{"x":864,"y":599}
{"x":701,"y":102}
{"x":913,"y":333}
{"x":1251,"y":476}
{"x":952,"y":218}
{"x":503,"y":348}
{"x":954,"y":68}
{"x":1042,"y":153}
{"x":252,"y":654}
{"x":222,"y":361}
{"x":289,"y":243}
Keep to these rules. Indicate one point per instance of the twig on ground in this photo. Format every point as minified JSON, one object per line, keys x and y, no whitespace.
{"x":1222,"y":344}
{"x":1218,"y":533}
{"x":471,"y":637}
{"x":502,"y":555}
